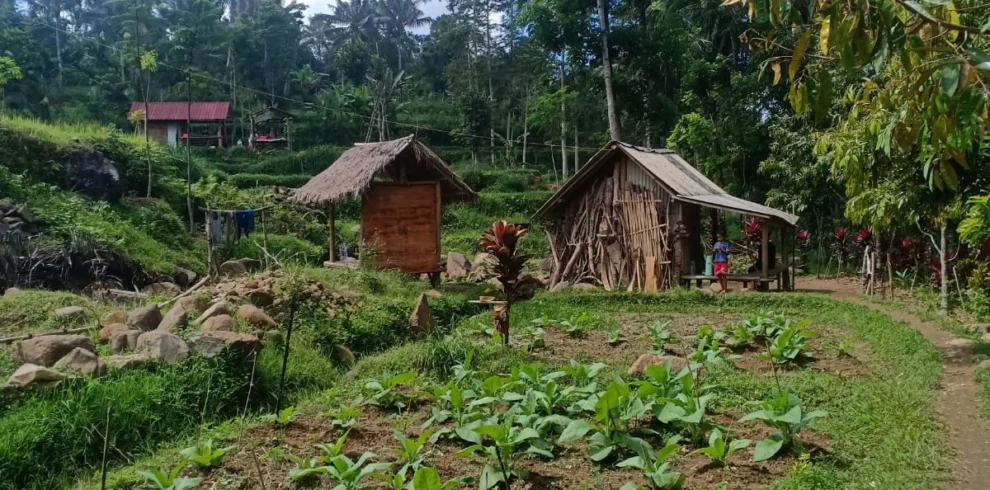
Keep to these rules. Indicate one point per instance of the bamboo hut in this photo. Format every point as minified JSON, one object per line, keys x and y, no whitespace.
{"x":631,"y":217}
{"x":403,"y":186}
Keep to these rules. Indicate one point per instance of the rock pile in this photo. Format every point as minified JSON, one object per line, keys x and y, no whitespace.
{"x":19,"y":218}
{"x":230,"y":316}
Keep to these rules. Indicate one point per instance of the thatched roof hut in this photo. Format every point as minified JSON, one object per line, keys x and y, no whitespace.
{"x":403,"y":186}
{"x":402,"y":160}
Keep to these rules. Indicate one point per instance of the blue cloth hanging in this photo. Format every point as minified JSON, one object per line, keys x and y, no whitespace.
{"x":245,"y":222}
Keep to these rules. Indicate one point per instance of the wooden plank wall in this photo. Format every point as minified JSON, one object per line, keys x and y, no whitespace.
{"x":402,"y":223}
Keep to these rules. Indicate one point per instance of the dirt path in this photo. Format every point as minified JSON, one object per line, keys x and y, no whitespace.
{"x":959,"y":404}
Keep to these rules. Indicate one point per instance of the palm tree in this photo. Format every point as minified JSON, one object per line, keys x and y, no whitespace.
{"x":398,"y":15}
{"x":358,"y":17}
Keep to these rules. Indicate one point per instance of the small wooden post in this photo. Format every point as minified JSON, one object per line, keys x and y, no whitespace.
{"x":264,"y":243}
{"x":331,"y":236}
{"x":209,"y":242}
{"x":765,"y":232}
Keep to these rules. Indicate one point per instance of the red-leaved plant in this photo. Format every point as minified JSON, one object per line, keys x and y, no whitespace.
{"x":507,"y":265}
{"x":752,"y":229}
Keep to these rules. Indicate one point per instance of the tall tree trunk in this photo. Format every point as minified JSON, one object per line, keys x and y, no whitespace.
{"x":508,"y":136}
{"x":613,"y":117}
{"x":943,"y":296}
{"x":189,"y":203}
{"x":145,"y":90}
{"x":577,"y":157}
{"x":58,"y":43}
{"x":491,"y":91}
{"x":525,"y":127}
{"x":563,"y":123}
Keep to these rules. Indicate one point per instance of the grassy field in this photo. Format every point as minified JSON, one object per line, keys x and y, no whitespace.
{"x":878,"y":390}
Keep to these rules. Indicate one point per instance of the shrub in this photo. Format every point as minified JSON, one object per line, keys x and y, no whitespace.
{"x":286,"y":248}
{"x":246,"y":181}
{"x":49,"y":437}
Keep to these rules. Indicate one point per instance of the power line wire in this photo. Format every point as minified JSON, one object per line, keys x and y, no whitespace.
{"x":190,"y":72}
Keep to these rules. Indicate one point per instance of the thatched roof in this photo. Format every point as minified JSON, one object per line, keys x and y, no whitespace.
{"x":392,"y":161}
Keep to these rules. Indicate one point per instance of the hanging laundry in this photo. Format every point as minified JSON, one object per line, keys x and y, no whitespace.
{"x":216,"y":228}
{"x":245,"y":222}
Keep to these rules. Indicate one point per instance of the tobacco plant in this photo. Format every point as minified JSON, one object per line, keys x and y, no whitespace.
{"x":160,"y":479}
{"x":331,"y":451}
{"x":204,"y":455}
{"x":410,"y":451}
{"x":386,"y":392}
{"x":305,"y":468}
{"x":349,"y":473}
{"x":614,"y":336}
{"x":500,"y":241}
{"x":660,"y":335}
{"x":503,"y":444}
{"x":615,"y":409}
{"x":719,"y":450}
{"x":283,"y":418}
{"x":709,"y":345}
{"x":785,"y":414}
{"x":790,"y":344}
{"x":662,"y":382}
{"x":655,"y":468}
{"x":346,"y":417}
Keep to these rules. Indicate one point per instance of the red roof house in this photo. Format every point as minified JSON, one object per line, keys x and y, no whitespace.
{"x":166,"y":121}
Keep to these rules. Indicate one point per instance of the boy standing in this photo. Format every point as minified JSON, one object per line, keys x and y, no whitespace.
{"x":722,"y":262}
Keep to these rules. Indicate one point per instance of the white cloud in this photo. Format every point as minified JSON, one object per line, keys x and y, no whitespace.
{"x":432,"y":8}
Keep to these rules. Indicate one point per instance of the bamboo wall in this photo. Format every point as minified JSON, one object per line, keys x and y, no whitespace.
{"x":616,"y":232}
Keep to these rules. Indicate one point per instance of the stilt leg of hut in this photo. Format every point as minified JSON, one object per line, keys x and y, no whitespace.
{"x":765,"y":239}
{"x":332,"y":234}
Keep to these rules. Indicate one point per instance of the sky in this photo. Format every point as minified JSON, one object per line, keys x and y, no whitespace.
{"x":431,"y":8}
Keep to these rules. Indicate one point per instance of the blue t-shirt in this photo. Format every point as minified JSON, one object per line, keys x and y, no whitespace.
{"x":721,"y":251}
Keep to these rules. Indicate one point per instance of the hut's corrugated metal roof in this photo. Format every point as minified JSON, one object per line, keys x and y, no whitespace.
{"x":684,"y":181}
{"x":178,"y":111}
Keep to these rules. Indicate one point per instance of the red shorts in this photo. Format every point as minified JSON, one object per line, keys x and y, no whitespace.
{"x":721,"y":268}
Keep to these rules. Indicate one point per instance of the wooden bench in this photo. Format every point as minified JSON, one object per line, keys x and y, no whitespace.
{"x":774,"y":275}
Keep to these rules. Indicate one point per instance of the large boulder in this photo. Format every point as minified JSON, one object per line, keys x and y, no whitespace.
{"x":115,"y":317}
{"x":421,"y":318}
{"x":255,"y":316}
{"x":193,"y":302}
{"x":175,"y":319}
{"x":457,"y":266}
{"x":222,"y":307}
{"x":184,"y":277}
{"x":107,"y":332}
{"x":166,"y":288}
{"x":93,"y":174}
{"x":209,"y":344}
{"x":260,"y":297}
{"x":32,"y":374}
{"x":130,"y":361}
{"x":123,"y":341}
{"x":647,"y":360}
{"x":46,"y":350}
{"x":251,"y":265}
{"x":479,"y":266}
{"x":82,"y":361}
{"x":163,"y":345}
{"x":232,"y":268}
{"x":70,"y":313}
{"x":219,"y":323}
{"x":146,"y":318}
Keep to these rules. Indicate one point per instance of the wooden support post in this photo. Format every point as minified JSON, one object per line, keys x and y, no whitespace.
{"x":209,"y":243}
{"x":332,"y":235}
{"x":264,"y":243}
{"x":765,"y":239}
